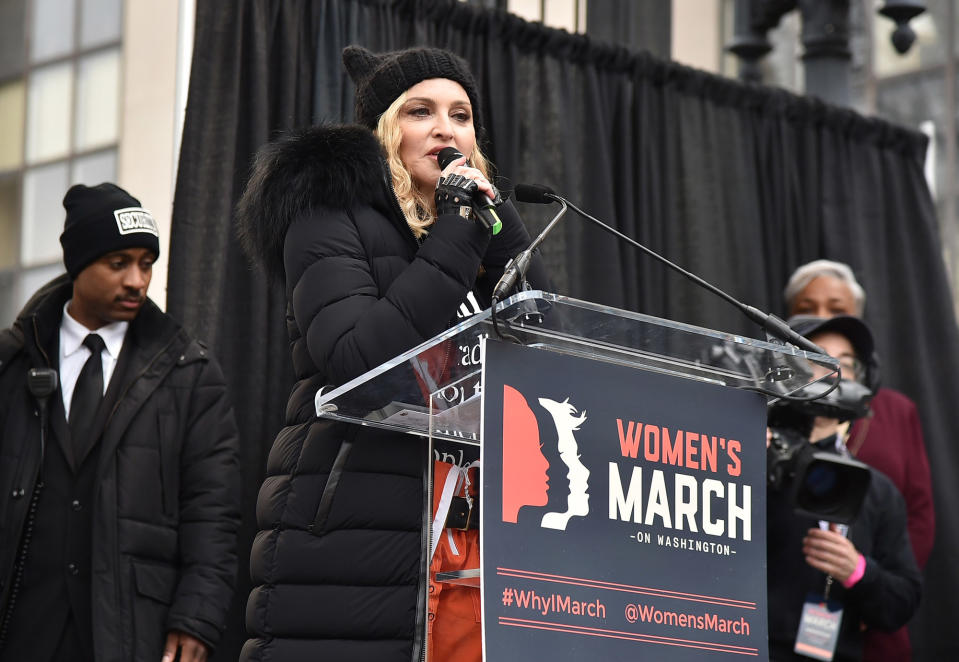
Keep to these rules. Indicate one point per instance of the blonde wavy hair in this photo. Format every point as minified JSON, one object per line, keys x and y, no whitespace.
{"x":419,"y":209}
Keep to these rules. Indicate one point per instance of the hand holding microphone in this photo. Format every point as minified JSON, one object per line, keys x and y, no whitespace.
{"x":454,"y":192}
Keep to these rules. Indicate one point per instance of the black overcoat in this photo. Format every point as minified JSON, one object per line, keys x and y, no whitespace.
{"x":166,"y":490}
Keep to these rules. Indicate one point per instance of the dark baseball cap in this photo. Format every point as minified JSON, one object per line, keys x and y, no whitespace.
{"x":852,"y":328}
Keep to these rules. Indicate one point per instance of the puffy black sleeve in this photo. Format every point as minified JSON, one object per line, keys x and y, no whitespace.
{"x":352,"y":325}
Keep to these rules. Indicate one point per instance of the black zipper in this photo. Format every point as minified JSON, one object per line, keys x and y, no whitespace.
{"x":20,"y":562}
{"x":116,"y":565}
{"x":420,"y":623}
{"x":422,"y":592}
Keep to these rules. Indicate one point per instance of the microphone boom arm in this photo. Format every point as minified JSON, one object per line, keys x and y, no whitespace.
{"x":774,"y":325}
{"x":517,"y":267}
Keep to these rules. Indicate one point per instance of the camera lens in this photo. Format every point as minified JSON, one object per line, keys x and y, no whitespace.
{"x":821,"y":480}
{"x":831,"y":487}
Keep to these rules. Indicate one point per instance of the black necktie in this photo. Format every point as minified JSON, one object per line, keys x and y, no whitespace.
{"x":87,"y":393}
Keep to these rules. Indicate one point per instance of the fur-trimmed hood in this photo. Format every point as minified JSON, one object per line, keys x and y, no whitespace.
{"x":332,"y":166}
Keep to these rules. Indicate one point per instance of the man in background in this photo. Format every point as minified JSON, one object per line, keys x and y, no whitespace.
{"x":119,"y":478}
{"x":889,"y":440}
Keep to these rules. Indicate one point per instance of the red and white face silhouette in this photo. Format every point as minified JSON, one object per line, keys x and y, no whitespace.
{"x":577,"y":501}
{"x":525,"y":482}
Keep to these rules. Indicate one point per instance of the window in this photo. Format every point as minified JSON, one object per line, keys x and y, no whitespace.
{"x":60,"y":71}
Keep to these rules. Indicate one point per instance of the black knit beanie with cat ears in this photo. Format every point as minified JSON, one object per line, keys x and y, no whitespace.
{"x":381,"y":77}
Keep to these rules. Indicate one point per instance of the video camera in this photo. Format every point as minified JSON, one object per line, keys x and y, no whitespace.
{"x":819,"y":484}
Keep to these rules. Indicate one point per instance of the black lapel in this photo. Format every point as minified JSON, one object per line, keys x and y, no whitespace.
{"x":58,"y":422}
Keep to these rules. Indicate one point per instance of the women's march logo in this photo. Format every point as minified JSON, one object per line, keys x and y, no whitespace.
{"x":525,"y":478}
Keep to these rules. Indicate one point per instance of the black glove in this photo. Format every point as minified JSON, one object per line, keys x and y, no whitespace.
{"x":454,"y":195}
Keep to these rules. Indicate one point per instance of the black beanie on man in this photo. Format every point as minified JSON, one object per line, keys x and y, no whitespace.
{"x":102,"y":219}
{"x":381,"y":77}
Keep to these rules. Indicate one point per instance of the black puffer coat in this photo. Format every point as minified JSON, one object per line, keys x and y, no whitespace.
{"x":165,"y":503}
{"x":337,"y":563}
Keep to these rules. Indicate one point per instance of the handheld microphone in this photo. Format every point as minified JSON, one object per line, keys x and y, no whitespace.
{"x":777,"y":327}
{"x":482,"y":205}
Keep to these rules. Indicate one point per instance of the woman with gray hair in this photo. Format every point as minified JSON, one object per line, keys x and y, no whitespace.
{"x":824,"y":288}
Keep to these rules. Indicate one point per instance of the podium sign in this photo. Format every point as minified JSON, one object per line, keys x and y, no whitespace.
{"x":648,"y":540}
{"x":623,"y":512}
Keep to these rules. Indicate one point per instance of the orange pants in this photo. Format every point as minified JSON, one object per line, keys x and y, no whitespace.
{"x":454,"y":633}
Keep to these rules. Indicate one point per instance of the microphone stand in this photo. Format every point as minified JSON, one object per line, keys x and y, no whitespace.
{"x":517,"y":267}
{"x":772,"y":324}
{"x":768,"y":321}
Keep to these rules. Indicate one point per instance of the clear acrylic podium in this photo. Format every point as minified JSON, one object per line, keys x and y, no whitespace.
{"x":409,"y":394}
{"x":435,"y":390}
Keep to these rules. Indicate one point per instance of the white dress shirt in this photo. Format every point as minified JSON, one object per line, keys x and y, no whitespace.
{"x":73,"y":353}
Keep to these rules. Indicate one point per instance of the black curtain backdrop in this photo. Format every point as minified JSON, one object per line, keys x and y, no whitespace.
{"x":739,"y":184}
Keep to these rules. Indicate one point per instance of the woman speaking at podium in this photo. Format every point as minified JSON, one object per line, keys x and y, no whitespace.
{"x":379,"y":249}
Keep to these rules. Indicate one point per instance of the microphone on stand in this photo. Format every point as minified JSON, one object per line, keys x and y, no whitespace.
{"x":536,"y":194}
